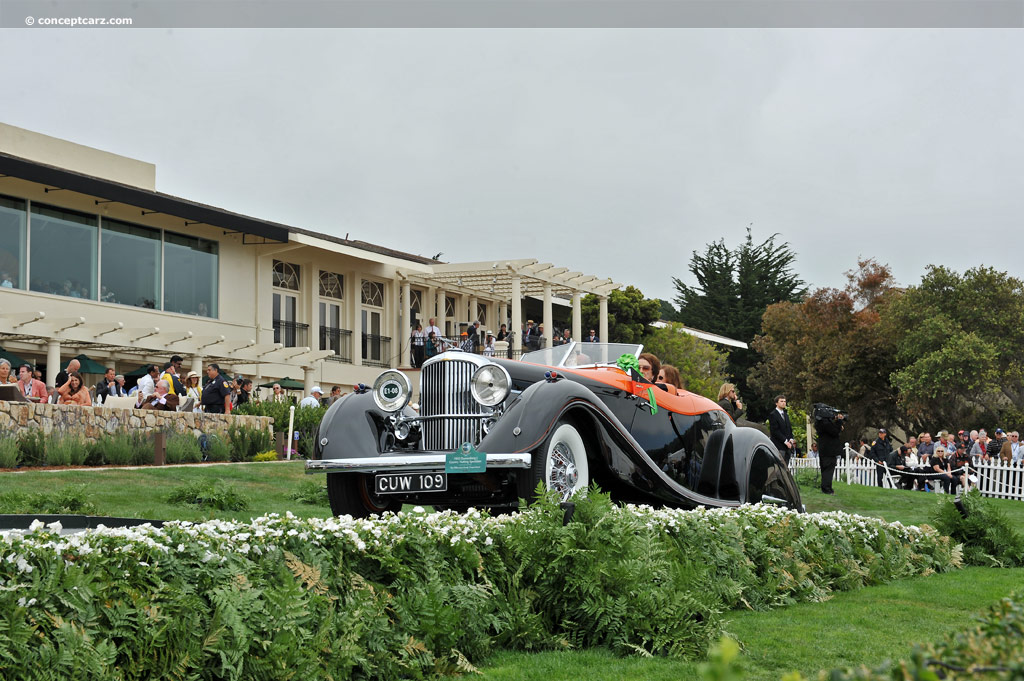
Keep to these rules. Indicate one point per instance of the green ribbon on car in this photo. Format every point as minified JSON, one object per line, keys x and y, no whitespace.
{"x":630,"y":363}
{"x":627,"y":362}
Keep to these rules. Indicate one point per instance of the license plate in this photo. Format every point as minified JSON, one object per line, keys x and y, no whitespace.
{"x":402,"y":483}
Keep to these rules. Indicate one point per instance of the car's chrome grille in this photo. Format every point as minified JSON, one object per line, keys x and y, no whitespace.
{"x":444,"y":389}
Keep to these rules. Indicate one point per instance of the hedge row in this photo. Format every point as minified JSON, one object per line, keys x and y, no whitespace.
{"x":416,"y":595}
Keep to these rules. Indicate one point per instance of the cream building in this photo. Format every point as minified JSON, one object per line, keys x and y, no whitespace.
{"x":94,"y":260}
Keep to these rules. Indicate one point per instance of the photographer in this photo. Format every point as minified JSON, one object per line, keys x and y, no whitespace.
{"x":828,"y":423}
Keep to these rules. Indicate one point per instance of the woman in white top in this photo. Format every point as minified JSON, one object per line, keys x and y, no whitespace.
{"x":193,"y":390}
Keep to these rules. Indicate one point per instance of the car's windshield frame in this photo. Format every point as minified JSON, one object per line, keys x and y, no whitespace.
{"x":594,"y":354}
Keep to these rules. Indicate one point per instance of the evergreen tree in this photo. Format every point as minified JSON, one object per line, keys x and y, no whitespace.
{"x":734,"y":288}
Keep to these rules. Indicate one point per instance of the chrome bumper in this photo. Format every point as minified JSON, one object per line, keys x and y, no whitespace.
{"x":409,"y":462}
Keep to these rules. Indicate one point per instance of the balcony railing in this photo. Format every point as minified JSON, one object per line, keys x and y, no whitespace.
{"x":338,"y":341}
{"x":376,"y":351}
{"x":291,"y":334}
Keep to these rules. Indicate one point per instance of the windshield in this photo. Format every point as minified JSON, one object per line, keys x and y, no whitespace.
{"x":583,"y":354}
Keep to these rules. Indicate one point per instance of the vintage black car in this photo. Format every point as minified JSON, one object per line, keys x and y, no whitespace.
{"x":489,"y":430}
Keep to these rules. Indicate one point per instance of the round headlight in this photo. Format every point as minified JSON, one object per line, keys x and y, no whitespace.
{"x":392,"y":390}
{"x":490,"y":385}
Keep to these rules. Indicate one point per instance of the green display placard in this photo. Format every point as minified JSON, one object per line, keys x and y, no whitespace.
{"x":465,"y":460}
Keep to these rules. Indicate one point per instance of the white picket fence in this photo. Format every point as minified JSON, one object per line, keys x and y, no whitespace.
{"x":994,"y":478}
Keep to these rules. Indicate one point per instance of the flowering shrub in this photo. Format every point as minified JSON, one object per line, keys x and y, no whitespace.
{"x":416,"y":594}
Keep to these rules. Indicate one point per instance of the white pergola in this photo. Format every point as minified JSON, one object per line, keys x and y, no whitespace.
{"x":508,"y":281}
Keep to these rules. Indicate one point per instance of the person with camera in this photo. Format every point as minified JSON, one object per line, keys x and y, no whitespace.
{"x":828,"y":423}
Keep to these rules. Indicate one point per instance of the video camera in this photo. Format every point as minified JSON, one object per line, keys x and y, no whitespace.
{"x":824,"y":412}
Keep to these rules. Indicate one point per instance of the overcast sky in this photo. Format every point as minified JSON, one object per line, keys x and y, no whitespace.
{"x":616,"y":153}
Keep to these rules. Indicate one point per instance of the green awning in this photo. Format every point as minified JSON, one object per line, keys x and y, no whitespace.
{"x":286,"y":383}
{"x":90,"y":366}
{"x":137,"y":373}
{"x":13,"y":359}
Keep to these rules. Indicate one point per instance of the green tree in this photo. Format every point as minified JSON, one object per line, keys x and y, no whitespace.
{"x":734,"y":288}
{"x":958,"y":344}
{"x":629,"y":314}
{"x":701,"y":366}
{"x":832,"y":348}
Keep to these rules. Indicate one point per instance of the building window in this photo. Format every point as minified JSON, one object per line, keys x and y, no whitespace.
{"x":190,"y":275}
{"x":286,"y":275}
{"x":332,"y":336}
{"x":13,"y":232}
{"x":64,"y":247}
{"x":373,"y":293}
{"x":332,"y":285}
{"x":481,"y":313}
{"x":130,"y":264}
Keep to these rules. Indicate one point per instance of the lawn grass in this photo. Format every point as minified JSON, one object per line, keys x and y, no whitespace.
{"x":142,"y":493}
{"x":867,"y":626}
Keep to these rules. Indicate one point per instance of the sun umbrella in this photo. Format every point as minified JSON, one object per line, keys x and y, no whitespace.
{"x":286,"y":383}
{"x":13,"y":359}
{"x":90,"y":366}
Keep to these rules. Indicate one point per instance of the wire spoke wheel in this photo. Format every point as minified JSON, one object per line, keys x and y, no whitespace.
{"x":566,"y":470}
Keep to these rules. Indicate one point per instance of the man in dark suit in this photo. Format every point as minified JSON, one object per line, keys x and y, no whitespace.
{"x":830,"y":448}
{"x":780,"y":429}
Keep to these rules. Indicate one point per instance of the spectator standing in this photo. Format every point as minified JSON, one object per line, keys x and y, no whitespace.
{"x":431,"y":344}
{"x":780,"y":429}
{"x":419,"y":346}
{"x":591,"y":337}
{"x":62,"y":377}
{"x":466,"y":343}
{"x":489,"y":344}
{"x":244,"y":392}
{"x":566,"y":336}
{"x":503,"y":334}
{"x":926,"y":446}
{"x":474,"y":336}
{"x":995,"y":445}
{"x":729,"y":400}
{"x":979,"y":450}
{"x":74,"y":392}
{"x":314,"y":398}
{"x":879,"y":453}
{"x":432,"y":328}
{"x":30,"y":387}
{"x":335,"y":395}
{"x":830,"y":448}
{"x":193,"y":391}
{"x":529,"y":337}
{"x":1012,"y":451}
{"x":172,"y":374}
{"x":147,"y":383}
{"x":216,"y":393}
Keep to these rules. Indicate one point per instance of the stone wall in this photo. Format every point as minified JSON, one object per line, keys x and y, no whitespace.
{"x":93,"y":422}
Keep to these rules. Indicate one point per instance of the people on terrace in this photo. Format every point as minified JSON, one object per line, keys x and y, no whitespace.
{"x":74,"y":391}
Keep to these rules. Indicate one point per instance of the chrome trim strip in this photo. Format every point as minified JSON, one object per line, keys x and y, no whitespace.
{"x":412,"y":462}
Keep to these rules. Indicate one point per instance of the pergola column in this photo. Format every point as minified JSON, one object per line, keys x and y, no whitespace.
{"x":197,"y":366}
{"x":516,"y":332}
{"x":577,"y":321}
{"x":602,"y":315}
{"x":309,"y":376}
{"x":405,"y":326}
{"x":442,"y":306}
{"x":549,"y":323}
{"x":52,"y":362}
{"x":472,"y":309}
{"x":502,"y":315}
